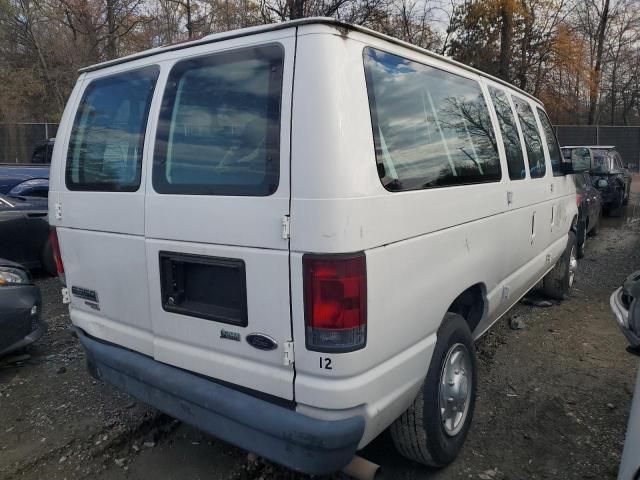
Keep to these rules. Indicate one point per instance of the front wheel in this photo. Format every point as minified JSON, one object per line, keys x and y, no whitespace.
{"x":558,"y":282}
{"x":433,"y":429}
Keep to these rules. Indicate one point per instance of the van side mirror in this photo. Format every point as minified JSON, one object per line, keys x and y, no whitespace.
{"x":581,"y":163}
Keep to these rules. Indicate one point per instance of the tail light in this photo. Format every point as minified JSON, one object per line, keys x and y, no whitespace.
{"x":55,"y":247}
{"x":578,"y":199}
{"x":335,"y":301}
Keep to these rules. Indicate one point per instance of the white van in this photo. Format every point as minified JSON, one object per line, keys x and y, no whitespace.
{"x":289,"y":236}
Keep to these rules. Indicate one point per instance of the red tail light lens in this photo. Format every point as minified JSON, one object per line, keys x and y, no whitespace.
{"x":335,"y":301}
{"x":55,"y":246}
{"x":578,"y":199}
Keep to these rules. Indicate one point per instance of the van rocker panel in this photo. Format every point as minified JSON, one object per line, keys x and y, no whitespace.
{"x":282,"y":435}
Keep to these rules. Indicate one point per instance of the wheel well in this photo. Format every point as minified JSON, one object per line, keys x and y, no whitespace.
{"x":470,"y":305}
{"x":574,"y":224}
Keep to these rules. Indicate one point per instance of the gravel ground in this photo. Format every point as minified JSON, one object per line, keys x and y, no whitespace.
{"x":553,"y":399}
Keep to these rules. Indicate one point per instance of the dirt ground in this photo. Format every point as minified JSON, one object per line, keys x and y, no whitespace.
{"x":553,"y":399}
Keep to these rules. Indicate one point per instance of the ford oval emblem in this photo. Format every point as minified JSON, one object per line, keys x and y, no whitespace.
{"x":261,"y":341}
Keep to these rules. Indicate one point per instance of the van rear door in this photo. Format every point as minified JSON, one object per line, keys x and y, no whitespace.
{"x":97,"y":203}
{"x":217,"y":194}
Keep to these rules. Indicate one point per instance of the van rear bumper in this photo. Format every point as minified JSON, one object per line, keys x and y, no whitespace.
{"x":282,"y":435}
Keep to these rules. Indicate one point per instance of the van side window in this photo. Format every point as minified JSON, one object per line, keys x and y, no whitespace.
{"x":219,"y":127}
{"x":105,"y":148}
{"x":532,"y":140}
{"x":431,"y":128}
{"x":510,"y":136}
{"x":552,"y":142}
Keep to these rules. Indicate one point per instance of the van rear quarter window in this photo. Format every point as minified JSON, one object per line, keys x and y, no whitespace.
{"x":105,"y":148}
{"x":510,"y":135}
{"x":219,"y":128}
{"x":431,"y":128}
{"x":532,"y":139}
{"x":552,"y":143}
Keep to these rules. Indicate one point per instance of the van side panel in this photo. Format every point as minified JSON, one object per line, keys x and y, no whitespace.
{"x":338,"y":202}
{"x":339,"y":205}
{"x":423,"y":248}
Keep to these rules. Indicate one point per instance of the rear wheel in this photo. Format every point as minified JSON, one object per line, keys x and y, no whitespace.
{"x":433,"y":429}
{"x":594,"y":230}
{"x":558,"y":282}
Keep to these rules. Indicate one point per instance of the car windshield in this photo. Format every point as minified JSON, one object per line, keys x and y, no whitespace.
{"x":602,"y":161}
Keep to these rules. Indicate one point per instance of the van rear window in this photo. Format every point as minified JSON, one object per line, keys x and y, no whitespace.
{"x":219,"y":128}
{"x":105,"y":148}
{"x":431,"y":128}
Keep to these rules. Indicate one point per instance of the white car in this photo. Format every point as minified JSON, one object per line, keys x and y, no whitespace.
{"x":291,"y":235}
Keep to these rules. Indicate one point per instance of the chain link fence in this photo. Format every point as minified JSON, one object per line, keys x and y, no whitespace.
{"x":18,"y":140}
{"x":625,"y":139}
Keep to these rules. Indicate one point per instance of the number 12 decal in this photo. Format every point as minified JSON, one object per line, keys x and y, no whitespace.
{"x":325,"y":363}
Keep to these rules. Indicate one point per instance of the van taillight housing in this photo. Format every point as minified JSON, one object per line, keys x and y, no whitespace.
{"x":335,"y":302}
{"x":55,"y":247}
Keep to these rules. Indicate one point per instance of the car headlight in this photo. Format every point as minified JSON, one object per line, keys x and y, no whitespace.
{"x":13,"y":276}
{"x":602,"y":183}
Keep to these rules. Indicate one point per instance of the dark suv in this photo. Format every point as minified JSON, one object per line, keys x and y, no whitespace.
{"x":609,"y":176}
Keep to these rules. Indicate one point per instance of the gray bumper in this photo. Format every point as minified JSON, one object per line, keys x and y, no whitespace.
{"x":282,"y":435}
{"x":26,"y":341}
{"x":622,"y":318}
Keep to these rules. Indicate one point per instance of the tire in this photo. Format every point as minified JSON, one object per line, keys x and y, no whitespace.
{"x":594,"y":230}
{"x":582,"y":241}
{"x":558,"y":282}
{"x":47,"y":261}
{"x":420,"y":433}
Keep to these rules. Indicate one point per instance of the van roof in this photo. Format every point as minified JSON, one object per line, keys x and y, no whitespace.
{"x":218,"y":37}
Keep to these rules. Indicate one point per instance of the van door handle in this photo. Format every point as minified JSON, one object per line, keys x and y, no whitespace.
{"x":533,"y":227}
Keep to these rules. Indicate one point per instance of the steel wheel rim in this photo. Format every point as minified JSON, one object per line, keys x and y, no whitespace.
{"x":455,"y":389}
{"x":573,"y":265}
